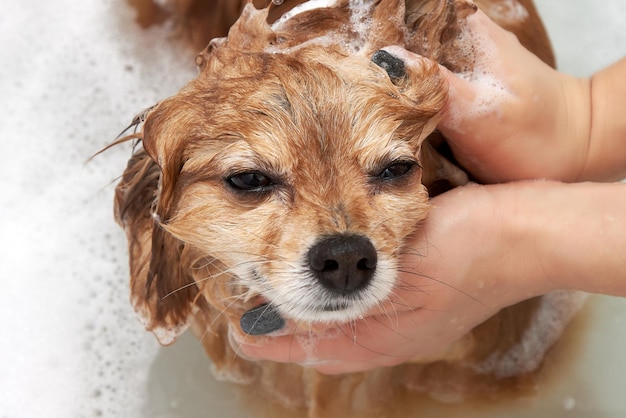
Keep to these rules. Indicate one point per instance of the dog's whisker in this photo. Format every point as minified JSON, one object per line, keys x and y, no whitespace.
{"x":393,"y":329}
{"x":220,"y":272}
{"x":412,"y":251}
{"x":247,"y":335}
{"x":293,"y":338}
{"x":388,"y":315}
{"x":181,"y":288}
{"x":441,"y":282}
{"x":352,"y":325}
{"x":351,"y":334}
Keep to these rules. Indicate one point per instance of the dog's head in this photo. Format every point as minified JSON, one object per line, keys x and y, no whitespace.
{"x":288,"y":169}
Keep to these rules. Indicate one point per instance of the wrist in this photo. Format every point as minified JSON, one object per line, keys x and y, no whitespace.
{"x":516,"y":260}
{"x":570,"y":235}
{"x":606,"y":160}
{"x":530,"y":230}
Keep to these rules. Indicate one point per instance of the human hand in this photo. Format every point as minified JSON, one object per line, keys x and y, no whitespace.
{"x":514,"y":117}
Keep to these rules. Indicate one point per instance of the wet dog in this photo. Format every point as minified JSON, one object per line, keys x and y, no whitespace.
{"x":289,"y":174}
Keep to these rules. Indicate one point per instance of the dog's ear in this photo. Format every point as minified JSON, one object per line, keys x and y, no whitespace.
{"x":161,"y":292}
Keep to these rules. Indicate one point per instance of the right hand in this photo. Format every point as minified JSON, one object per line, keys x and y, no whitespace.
{"x":514,"y":117}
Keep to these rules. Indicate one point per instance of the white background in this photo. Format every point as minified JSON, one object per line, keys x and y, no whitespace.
{"x":72,"y":75}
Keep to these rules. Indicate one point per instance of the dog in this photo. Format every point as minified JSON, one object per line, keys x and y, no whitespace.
{"x":290,"y":173}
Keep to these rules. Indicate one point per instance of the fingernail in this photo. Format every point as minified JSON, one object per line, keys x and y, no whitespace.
{"x":261,"y":320}
{"x":390,"y":63}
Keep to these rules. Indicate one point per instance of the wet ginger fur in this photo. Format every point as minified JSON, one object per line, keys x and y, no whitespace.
{"x":288,"y":137}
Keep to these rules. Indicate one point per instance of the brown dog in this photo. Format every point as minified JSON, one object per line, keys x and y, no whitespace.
{"x":290,"y":172}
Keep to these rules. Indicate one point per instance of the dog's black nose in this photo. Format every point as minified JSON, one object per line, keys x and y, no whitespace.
{"x":343,"y":263}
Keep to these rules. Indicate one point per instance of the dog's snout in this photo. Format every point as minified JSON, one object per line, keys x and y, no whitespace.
{"x":343,"y":263}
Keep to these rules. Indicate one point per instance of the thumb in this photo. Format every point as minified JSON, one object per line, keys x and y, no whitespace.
{"x":462,"y":97}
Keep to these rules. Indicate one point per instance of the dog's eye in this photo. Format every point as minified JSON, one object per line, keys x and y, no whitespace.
{"x":250,"y":182}
{"x":396,"y":169}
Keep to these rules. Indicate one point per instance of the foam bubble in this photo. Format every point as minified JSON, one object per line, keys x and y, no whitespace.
{"x":569,"y":403}
{"x":308,"y":343}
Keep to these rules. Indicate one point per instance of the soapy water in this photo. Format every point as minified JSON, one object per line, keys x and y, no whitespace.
{"x":73,"y":346}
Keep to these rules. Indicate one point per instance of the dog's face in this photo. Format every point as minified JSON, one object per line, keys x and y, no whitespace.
{"x":301,"y":175}
{"x":295,"y":173}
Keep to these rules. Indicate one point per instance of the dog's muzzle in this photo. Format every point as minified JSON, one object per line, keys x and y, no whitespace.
{"x":343,"y":264}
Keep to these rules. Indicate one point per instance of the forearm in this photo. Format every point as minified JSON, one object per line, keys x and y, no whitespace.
{"x":570,"y":236}
{"x":607,"y":140}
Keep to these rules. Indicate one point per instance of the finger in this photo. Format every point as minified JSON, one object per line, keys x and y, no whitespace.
{"x":336,"y":368}
{"x":377,"y":341}
{"x":301,"y":348}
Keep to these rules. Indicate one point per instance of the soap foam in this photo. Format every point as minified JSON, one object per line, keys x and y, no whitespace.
{"x":301,"y":8}
{"x":308,"y":342}
{"x":510,"y":12}
{"x":71,"y":342}
{"x":554,"y":313}
{"x":361,"y":21}
{"x":491,"y":92}
{"x":360,"y":25}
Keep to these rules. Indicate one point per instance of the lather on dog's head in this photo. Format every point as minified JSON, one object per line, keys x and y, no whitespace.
{"x":289,"y":169}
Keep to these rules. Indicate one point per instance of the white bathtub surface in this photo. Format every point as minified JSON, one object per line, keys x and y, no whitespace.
{"x":72,"y":75}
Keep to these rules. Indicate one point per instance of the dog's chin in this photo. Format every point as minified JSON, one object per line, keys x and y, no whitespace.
{"x":305,"y":301}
